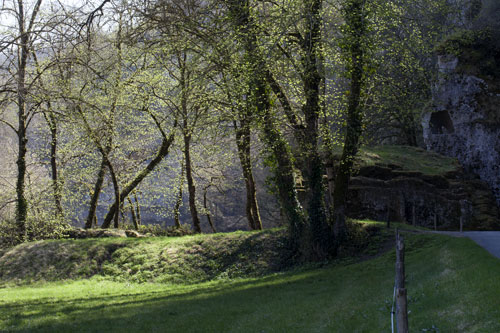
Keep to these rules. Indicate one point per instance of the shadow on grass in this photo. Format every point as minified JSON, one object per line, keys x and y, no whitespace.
{"x":210,"y":308}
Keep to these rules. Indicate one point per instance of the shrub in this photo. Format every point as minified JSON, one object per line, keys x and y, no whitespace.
{"x":36,"y":229}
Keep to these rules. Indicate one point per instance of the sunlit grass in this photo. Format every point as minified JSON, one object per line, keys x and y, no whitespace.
{"x":405,"y":158}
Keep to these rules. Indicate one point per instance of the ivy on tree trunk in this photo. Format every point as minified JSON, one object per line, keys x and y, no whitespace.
{"x":355,"y":30}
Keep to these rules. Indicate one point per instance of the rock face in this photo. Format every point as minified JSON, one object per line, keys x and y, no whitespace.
{"x":79,"y":233}
{"x":465,"y":121}
{"x":440,"y":201}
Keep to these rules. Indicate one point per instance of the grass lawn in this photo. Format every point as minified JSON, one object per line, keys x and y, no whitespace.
{"x":453,"y":286}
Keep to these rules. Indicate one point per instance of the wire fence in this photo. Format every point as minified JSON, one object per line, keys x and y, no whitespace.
{"x":392,"y":309}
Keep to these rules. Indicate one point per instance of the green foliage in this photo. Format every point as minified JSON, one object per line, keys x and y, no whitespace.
{"x":458,"y":43}
{"x":8,"y":233}
{"x":477,"y":52}
{"x":48,"y":227}
{"x":403,"y":36}
{"x":364,"y":237}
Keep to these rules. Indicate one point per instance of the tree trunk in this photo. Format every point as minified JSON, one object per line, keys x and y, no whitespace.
{"x":105,"y":162}
{"x":258,"y":88}
{"x":132,"y":213}
{"x":137,"y":208}
{"x":116,"y":190}
{"x":243,"y":145}
{"x":354,"y":16}
{"x":91,"y":217}
{"x":53,"y":165}
{"x":313,"y":171}
{"x":178,"y":202}
{"x":299,"y":235}
{"x":207,"y":210}
{"x":285,"y":181}
{"x":252,"y":189}
{"x":122,"y":211}
{"x":190,"y":181}
{"x":164,"y":149}
{"x":21,"y":202}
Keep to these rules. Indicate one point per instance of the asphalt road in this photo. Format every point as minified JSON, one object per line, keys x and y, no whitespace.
{"x":490,"y":240}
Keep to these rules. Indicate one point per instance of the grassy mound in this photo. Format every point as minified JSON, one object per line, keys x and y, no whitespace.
{"x":452,"y":283}
{"x":186,"y":259}
{"x":159,"y":259}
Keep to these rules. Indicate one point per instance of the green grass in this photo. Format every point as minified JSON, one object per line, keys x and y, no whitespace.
{"x":407,"y":159}
{"x":452,"y":283}
{"x":411,"y":159}
{"x":186,"y":259}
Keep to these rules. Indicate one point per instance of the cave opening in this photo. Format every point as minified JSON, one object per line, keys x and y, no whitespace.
{"x":441,"y":123}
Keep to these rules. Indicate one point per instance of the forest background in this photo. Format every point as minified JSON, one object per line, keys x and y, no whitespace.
{"x":219,"y":115}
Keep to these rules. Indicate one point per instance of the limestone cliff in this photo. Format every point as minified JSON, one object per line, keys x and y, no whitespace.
{"x":464,"y":121}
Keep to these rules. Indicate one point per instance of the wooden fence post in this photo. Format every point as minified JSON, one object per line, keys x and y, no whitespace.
{"x":401,"y":299}
{"x":413,"y":214}
{"x":387,"y":216}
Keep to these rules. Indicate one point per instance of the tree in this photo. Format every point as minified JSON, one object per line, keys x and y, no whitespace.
{"x":189,"y":102}
{"x":19,"y":82}
{"x":260,"y":78}
{"x":235,"y":102}
{"x":149,"y":74}
{"x":405,"y":34}
{"x":113,"y":110}
{"x":355,"y":32}
{"x":187,"y":57}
